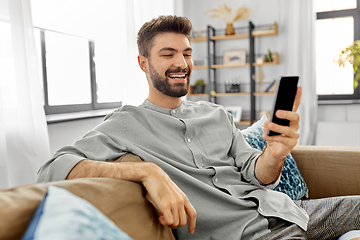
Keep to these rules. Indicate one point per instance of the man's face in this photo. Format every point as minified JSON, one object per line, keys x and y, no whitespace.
{"x":170,"y":64}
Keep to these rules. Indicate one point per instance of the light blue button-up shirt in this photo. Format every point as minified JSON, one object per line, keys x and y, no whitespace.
{"x":200,"y":148}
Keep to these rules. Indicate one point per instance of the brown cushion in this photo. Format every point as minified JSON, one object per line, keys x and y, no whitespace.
{"x":121,"y":201}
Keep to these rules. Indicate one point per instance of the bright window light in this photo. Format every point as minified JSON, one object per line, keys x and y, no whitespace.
{"x":68,"y":69}
{"x":331,"y":5}
{"x":332,"y":36}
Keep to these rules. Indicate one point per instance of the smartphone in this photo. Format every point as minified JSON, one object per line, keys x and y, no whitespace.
{"x":285,"y":93}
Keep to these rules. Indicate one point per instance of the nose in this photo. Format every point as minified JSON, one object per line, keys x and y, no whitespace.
{"x":180,"y":62}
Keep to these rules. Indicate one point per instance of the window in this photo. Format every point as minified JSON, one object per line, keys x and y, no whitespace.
{"x":68,"y":71}
{"x":337,"y":27}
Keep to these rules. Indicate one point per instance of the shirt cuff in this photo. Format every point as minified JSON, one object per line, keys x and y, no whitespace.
{"x":62,"y":166}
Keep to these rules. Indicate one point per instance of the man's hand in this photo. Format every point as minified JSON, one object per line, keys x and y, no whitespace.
{"x":171,"y":203}
{"x":270,"y":163}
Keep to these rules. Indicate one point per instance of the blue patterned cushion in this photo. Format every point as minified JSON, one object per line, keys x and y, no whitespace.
{"x":291,"y":181}
{"x":63,"y":215}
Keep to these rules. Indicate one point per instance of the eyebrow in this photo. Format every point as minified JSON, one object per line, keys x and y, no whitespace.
{"x":173,"y":49}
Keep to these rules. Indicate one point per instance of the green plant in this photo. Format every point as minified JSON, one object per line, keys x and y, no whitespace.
{"x":351,"y":54}
{"x":270,"y":55}
{"x":199,"y":82}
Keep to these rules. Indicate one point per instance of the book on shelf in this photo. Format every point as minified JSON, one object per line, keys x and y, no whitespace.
{"x":271,"y":87}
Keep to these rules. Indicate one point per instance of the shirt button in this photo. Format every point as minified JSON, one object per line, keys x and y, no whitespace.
{"x":174,"y":111}
{"x":189,"y":140}
{"x":216,"y":180}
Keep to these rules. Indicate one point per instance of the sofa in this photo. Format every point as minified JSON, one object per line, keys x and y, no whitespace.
{"x":327,"y":171}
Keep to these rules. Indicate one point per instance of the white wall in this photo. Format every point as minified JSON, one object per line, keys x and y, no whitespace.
{"x":338,"y":125}
{"x":66,"y":133}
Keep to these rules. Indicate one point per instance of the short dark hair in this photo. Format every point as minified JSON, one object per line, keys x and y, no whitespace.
{"x":162,"y":24}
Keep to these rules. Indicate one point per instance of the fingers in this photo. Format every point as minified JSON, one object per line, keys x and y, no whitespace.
{"x":171,"y":203}
{"x":174,"y":215}
{"x":288,"y":131}
{"x":191,"y":212}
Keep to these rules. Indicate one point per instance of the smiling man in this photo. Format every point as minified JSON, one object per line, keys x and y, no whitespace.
{"x":168,"y":67}
{"x":200,"y":174}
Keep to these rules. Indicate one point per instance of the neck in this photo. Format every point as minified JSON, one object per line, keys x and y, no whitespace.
{"x":164,"y":101}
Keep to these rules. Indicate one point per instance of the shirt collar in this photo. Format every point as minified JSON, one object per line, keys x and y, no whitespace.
{"x":168,"y":111}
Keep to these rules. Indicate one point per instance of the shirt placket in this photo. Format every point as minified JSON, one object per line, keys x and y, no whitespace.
{"x":190,"y":140}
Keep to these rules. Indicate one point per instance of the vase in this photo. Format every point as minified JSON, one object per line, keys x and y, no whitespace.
{"x":229,"y":29}
{"x":198,"y":89}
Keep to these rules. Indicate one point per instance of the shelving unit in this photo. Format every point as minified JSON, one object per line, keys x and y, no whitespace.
{"x":275,"y":62}
{"x":273,"y":31}
{"x":212,"y":67}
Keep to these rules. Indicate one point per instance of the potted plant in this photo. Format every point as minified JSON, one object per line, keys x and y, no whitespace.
{"x":268,"y":57}
{"x":224,"y":13}
{"x":351,"y":54}
{"x":199,"y":86}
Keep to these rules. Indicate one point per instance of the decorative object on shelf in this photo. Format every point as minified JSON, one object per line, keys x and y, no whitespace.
{"x":268,"y":57}
{"x":232,"y":87}
{"x":235,"y":56}
{"x":351,"y":54}
{"x":199,"y":61}
{"x":271,"y":87}
{"x":225,"y":14}
{"x":259,"y":60}
{"x":199,"y":86}
{"x":235,"y":111}
{"x":197,"y":36}
{"x":260,"y":78}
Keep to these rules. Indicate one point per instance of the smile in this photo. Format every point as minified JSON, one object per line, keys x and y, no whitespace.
{"x":177,"y":75}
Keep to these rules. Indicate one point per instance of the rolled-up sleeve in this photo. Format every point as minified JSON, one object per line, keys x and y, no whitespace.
{"x":57,"y":169}
{"x":245,"y":158}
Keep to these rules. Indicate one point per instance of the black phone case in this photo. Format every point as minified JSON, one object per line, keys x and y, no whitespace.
{"x":286,"y":88}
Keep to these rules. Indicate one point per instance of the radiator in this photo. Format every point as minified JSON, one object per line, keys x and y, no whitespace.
{"x":338,"y":133}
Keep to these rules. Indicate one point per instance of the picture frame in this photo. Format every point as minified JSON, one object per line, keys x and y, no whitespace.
{"x":234,"y":56}
{"x":235,"y":111}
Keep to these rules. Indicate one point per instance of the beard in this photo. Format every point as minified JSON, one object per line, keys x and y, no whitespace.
{"x":162,"y":83}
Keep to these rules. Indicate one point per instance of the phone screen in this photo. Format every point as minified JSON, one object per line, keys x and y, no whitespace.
{"x":284,"y":99}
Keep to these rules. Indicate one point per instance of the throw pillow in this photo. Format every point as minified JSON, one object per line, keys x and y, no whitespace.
{"x":291,"y":181}
{"x":63,"y":215}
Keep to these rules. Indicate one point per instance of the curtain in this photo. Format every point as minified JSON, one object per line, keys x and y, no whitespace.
{"x":24,"y":144}
{"x":139,"y":12}
{"x":298,"y":58}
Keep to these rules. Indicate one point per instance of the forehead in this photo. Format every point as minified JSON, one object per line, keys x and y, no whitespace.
{"x":176,"y":41}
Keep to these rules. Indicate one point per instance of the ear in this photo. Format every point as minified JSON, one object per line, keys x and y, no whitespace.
{"x":143,"y":63}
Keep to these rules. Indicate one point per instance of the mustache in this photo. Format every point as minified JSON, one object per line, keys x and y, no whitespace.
{"x":176,"y":70}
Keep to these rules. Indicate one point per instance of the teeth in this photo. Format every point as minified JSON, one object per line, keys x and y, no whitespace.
{"x":177,"y":76}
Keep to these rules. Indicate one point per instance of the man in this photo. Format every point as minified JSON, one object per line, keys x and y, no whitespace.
{"x":198,"y":170}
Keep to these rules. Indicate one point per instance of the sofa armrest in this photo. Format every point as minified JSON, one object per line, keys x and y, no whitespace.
{"x":123,"y":202}
{"x":329,"y":171}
